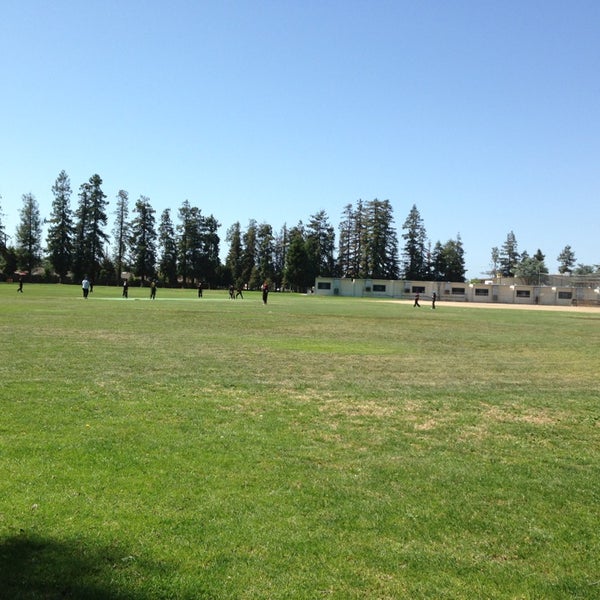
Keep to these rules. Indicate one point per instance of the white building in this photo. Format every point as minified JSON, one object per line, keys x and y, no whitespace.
{"x":507,"y":292}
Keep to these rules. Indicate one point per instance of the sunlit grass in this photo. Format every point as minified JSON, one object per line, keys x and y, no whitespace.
{"x":311,"y":448}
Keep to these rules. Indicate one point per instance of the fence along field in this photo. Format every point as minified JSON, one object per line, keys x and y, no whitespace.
{"x":310,"y":448}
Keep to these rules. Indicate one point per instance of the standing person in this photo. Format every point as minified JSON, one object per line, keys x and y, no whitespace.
{"x":433,"y":299}
{"x":20,"y":288}
{"x":153,"y":289}
{"x":265,"y":292}
{"x":239,"y":292}
{"x":416,"y":300}
{"x":85,"y":286}
{"x":125,"y":288}
{"x":231,"y":292}
{"x":199,"y":289}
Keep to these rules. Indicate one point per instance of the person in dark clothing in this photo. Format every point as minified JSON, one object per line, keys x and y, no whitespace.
{"x":416,"y":301}
{"x":265,"y":292}
{"x":433,"y":299}
{"x":125,"y":288}
{"x":20,"y":288}
{"x":239,"y":292}
{"x":199,"y":289}
{"x":231,"y":292}
{"x":153,"y":289}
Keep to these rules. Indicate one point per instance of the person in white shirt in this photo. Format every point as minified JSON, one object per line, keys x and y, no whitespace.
{"x":85,"y":286}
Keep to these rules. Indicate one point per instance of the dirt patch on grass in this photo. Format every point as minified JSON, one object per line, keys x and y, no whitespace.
{"x":441,"y":304}
{"x":499,"y":414}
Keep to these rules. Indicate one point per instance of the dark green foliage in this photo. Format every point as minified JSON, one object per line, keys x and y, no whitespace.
{"x":447,"y":261}
{"x":143,"y":240}
{"x":415,"y":263}
{"x":508,"y":257}
{"x":233,"y":262}
{"x":296,"y":266}
{"x":59,"y":240}
{"x":89,"y":229}
{"x":167,"y":243}
{"x":368,"y":245}
{"x":380,"y":241}
{"x":29,"y":235}
{"x":532,"y":269}
{"x":197,"y":245}
{"x":566,"y":260}
{"x":121,"y":235}
{"x":320,"y":246}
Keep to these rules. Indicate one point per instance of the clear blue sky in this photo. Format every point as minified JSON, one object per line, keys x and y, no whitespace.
{"x":485,"y":114}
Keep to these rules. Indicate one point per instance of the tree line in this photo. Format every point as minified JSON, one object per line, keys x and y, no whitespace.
{"x":507,"y":261}
{"x":184,"y":248}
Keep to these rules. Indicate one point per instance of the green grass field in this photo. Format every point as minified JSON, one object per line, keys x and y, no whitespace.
{"x":312,"y":448}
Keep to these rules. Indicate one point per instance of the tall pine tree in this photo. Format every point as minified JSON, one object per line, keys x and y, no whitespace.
{"x":89,"y":229}
{"x":59,"y":239}
{"x":143,"y":240}
{"x":415,"y":263}
{"x":29,"y":235}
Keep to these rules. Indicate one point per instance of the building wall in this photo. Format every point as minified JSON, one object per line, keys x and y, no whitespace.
{"x":495,"y":293}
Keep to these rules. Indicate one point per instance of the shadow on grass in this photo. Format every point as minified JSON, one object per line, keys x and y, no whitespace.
{"x":33,"y":568}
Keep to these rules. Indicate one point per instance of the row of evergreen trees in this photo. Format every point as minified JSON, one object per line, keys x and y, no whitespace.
{"x":188,"y":251}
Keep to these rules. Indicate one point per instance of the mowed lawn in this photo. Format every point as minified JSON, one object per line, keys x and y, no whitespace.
{"x":311,"y":448}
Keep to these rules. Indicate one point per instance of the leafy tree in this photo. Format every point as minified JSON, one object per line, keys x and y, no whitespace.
{"x":415,"y":265}
{"x":89,"y":229}
{"x":168,"y":248}
{"x":532,"y":269}
{"x":566,"y":260}
{"x":59,"y":240}
{"x":582,"y":269}
{"x":508,"y":258}
{"x":143,"y":240}
{"x":29,"y":235}
{"x":121,"y":234}
{"x":296,"y":267}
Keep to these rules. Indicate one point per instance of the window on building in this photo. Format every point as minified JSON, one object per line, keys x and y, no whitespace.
{"x":482,"y":292}
{"x":565,"y":295}
{"x":324,"y":285}
{"x":523,"y":293}
{"x":377,"y":287}
{"x":458,"y":291}
{"x":418,"y":289}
